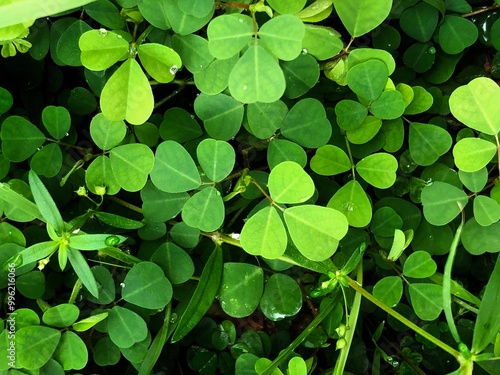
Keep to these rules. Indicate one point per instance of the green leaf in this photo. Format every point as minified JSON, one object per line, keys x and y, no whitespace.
{"x":473,"y":154}
{"x":35,"y":345}
{"x":146,"y":286}
{"x":368,"y":79}
{"x":100,"y":174}
{"x":215,"y":77}
{"x":197,"y":8}
{"x":486,"y":210}
{"x":428,"y":143}
{"x":353,"y":202}
{"x":154,"y":11}
{"x":487,"y":323}
{"x":264,"y":234}
{"x":183,"y":23}
{"x":127,"y":95}
{"x":240,"y":289}
{"x":400,"y":242}
{"x":301,"y":75}
{"x":193,"y":50}
{"x":456,"y":33}
{"x":126,"y":327}
{"x":31,"y":284}
{"x":420,"y":21}
{"x":287,"y":6}
{"x":442,"y":202}
{"x":385,"y":221}
{"x":283,"y":36}
{"x":478,"y":239}
{"x":365,"y":132}
{"x":28,"y":10}
{"x":174,"y":169}
{"x":106,"y":133}
{"x":87,"y":323}
{"x":281,"y":150}
{"x":476,"y":105}
{"x":45,"y":203}
{"x":321,"y":42}
{"x":204,"y":210}
{"x":71,"y":352}
{"x":161,"y":62}
{"x":350,"y":114}
{"x":257,"y":77}
{"x":306,"y":124}
{"x":474,"y":181}
{"x":422,"y":101}
{"x":419,"y":265}
{"x":420,"y":57}
{"x":282,"y":297}
{"x":229,"y":34}
{"x":6,"y":100}
{"x":221,"y":114}
{"x":330,"y":160}
{"x":131,"y":164}
{"x":106,"y":13}
{"x":159,"y":206}
{"x":389,"y":290}
{"x":20,"y":138}
{"x":47,"y":161}
{"x":297,"y":366}
{"x":427,"y":300}
{"x":61,"y":316}
{"x":82,"y":270}
{"x":388,"y":106}
{"x":175,"y":262}
{"x":106,"y":353}
{"x":360,"y":55}
{"x":179,"y":125}
{"x":101,"y":49}
{"x":263,"y":119}
{"x":289,"y":183}
{"x":378,"y":170}
{"x":118,"y":221}
{"x":362,"y":16}
{"x":217,"y":158}
{"x":93,"y":241}
{"x":56,"y":120}
{"x":315,"y":230}
{"x":67,"y":48}
{"x":203,"y":296}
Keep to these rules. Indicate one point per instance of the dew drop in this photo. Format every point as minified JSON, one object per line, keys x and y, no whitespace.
{"x":304,"y":51}
{"x":192,"y":117}
{"x":244,"y":87}
{"x":431,"y":51}
{"x":428,"y":181}
{"x":67,"y":134}
{"x":120,"y":37}
{"x":122,"y":285}
{"x":103,"y":32}
{"x":241,"y":20}
{"x":174,"y":69}
{"x":173,"y":318}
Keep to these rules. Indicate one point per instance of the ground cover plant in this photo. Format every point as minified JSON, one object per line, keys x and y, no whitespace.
{"x":255,"y":187}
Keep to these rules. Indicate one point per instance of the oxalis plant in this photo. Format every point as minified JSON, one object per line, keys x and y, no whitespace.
{"x":256,"y":187}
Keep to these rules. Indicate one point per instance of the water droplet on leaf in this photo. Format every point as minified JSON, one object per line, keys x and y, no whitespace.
{"x":174,"y":69}
{"x":304,"y":51}
{"x":103,"y":32}
{"x":112,"y":241}
{"x":431,"y":51}
{"x":244,"y":87}
{"x":122,"y":285}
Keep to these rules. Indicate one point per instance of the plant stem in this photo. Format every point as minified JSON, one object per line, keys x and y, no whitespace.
{"x":447,"y":283}
{"x":125,"y":204}
{"x":353,"y":319}
{"x":358,"y":288}
{"x":350,"y":158}
{"x":482,"y":10}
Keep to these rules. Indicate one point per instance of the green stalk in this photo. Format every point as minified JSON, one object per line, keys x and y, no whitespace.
{"x":358,"y":288}
{"x":447,"y":284}
{"x":353,"y":319}
{"x":303,"y":335}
